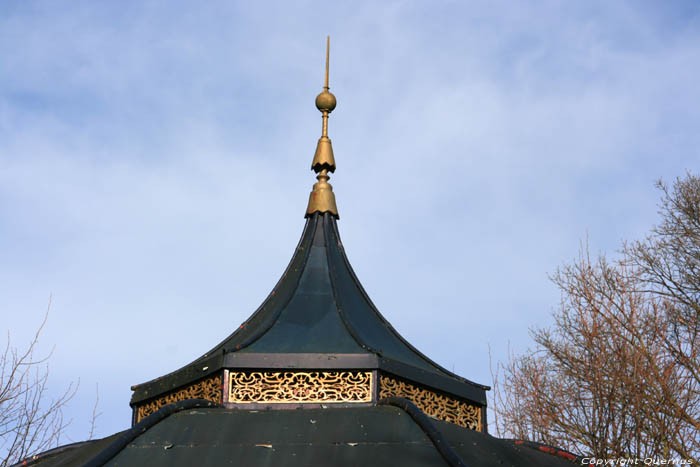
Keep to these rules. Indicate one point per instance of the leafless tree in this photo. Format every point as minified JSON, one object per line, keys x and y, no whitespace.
{"x":31,"y":420}
{"x":669,"y":262}
{"x":618,"y":372}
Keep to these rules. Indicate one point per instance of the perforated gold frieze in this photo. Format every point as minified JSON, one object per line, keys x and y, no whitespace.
{"x":210,"y":389}
{"x":275,"y":387}
{"x":433,"y":404}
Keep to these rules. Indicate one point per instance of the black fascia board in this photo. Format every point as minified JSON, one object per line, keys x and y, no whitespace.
{"x":309,"y":361}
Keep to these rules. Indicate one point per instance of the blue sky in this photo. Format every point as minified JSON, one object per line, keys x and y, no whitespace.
{"x":154,"y":166}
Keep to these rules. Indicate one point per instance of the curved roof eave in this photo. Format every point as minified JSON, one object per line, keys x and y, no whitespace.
{"x":284,"y":332}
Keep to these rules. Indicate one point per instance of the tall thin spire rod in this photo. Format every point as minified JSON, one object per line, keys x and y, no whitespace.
{"x":324,"y":130}
{"x":322,"y":198}
{"x":328,"y":59}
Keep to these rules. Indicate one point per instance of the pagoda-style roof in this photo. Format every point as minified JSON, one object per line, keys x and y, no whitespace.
{"x":363,"y":394}
{"x":318,"y":316}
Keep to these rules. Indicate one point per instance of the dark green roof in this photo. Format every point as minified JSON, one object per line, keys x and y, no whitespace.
{"x":317,"y":316}
{"x":369,"y":436}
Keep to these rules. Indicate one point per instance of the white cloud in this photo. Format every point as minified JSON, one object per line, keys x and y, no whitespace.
{"x":154,"y":165}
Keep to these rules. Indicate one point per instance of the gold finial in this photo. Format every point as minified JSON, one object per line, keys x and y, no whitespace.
{"x":322,"y":198}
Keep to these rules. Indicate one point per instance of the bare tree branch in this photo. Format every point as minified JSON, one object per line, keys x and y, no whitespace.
{"x":30,"y":420}
{"x":618,"y":374}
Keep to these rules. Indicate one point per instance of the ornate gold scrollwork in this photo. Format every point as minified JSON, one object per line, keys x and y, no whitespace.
{"x":433,"y":404}
{"x":208,"y":388}
{"x":270,"y":387}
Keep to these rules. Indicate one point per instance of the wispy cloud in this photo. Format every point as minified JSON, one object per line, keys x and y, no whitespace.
{"x":154,"y":164}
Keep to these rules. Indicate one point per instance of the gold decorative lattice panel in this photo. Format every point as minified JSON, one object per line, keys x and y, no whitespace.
{"x":208,"y":388}
{"x":275,"y":387}
{"x":433,"y":404}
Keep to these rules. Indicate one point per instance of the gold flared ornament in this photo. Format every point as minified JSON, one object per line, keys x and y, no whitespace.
{"x":322,"y":198}
{"x":323,"y":158}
